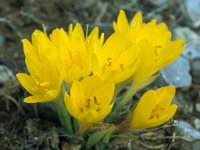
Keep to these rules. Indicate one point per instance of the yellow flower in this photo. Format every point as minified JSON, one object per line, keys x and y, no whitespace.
{"x":44,"y":81}
{"x":50,"y":60}
{"x":153,"y":41}
{"x":75,"y":51}
{"x":90,"y":101}
{"x":157,"y":50}
{"x":153,"y":109}
{"x":116,"y":60}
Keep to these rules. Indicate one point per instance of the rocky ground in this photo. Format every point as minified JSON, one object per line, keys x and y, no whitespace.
{"x":30,"y":127}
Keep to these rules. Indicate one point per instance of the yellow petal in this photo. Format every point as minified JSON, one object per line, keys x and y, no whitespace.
{"x":27,"y":82}
{"x":40,"y":42}
{"x":70,"y":30}
{"x":59,"y":38}
{"x":168,"y":95}
{"x":144,"y":107}
{"x":146,"y":68}
{"x":102,"y":38}
{"x":173,"y":50}
{"x":88,"y":117}
{"x":127,"y":63}
{"x":91,"y":84}
{"x":71,"y":107}
{"x":78,"y":31}
{"x":28,"y":49}
{"x":77,"y":93}
{"x":112,"y":50}
{"x":53,"y":94}
{"x":33,"y":64}
{"x":94,"y":33}
{"x":78,"y":51}
{"x":105,"y":112}
{"x":36,"y":99}
{"x":122,"y":22}
{"x":74,"y":73}
{"x":137,"y":21}
{"x":105,"y":94}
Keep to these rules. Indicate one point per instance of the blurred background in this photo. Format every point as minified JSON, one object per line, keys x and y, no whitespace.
{"x":25,"y":126}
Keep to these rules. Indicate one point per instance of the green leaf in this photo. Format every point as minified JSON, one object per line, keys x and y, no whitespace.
{"x":108,"y":134}
{"x":96,"y":137}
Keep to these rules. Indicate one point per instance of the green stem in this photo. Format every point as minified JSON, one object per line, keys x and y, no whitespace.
{"x":120,"y":105}
{"x":83,"y":128}
{"x":63,"y":114}
{"x":75,"y":125}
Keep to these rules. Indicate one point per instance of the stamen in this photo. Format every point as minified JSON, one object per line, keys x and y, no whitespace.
{"x":161,"y":108}
{"x":156,"y":52}
{"x":156,"y":106}
{"x":44,"y":84}
{"x":121,"y":66}
{"x":151,"y":117}
{"x":81,"y":109}
{"x":88,"y":103}
{"x":109,"y":58}
{"x":98,"y":109}
{"x":95,"y":100}
{"x":156,"y":49}
{"x":158,"y":46}
{"x":156,"y":111}
{"x":109,"y":64}
{"x":104,"y":67}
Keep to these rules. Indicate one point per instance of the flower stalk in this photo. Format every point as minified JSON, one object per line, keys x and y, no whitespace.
{"x":63,"y":114}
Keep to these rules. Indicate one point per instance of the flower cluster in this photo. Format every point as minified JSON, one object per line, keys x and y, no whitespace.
{"x":83,"y":74}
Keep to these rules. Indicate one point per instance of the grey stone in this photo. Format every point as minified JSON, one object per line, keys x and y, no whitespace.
{"x":190,"y":37}
{"x":191,"y":10}
{"x":177,"y":74}
{"x":184,"y":129}
{"x":5,"y":74}
{"x":192,"y":52}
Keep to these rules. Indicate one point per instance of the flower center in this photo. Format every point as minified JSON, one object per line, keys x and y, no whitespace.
{"x":109,"y":63}
{"x":91,"y":104}
{"x":157,"y":111}
{"x":41,"y":87}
